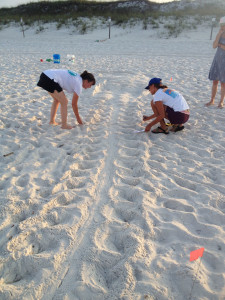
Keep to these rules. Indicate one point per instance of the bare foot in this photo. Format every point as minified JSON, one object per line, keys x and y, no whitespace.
{"x":66,"y":127}
{"x":209,"y":103}
{"x":220,"y":105}
{"x":54,"y":123}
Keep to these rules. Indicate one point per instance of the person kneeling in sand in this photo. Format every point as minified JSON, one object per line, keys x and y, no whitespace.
{"x":167,"y":104}
{"x":55,"y":81}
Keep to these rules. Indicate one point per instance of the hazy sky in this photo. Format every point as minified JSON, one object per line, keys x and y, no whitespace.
{"x":11,"y":3}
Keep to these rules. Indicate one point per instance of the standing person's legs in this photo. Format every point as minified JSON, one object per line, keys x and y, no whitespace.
{"x":61,"y":98}
{"x":214,"y":91}
{"x":54,"y":109}
{"x":56,"y":92}
{"x":222,"y":95}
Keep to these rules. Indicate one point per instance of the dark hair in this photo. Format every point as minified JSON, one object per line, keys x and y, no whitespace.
{"x":88,"y":76}
{"x":160,"y":86}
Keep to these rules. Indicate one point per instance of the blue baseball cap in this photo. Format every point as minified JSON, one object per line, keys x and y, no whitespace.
{"x":153,"y":81}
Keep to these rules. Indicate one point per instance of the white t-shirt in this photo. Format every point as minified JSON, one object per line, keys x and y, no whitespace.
{"x":171,"y":98}
{"x":68,"y":80}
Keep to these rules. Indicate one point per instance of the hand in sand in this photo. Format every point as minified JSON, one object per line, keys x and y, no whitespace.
{"x":147,"y":128}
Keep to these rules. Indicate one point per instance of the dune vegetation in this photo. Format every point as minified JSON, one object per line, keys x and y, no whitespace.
{"x":87,"y":15}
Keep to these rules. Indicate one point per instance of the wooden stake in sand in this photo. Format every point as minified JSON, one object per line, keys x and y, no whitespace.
{"x":193,"y":256}
{"x":21,"y":24}
{"x":213,"y":23}
{"x":8,"y":154}
{"x":109,"y":21}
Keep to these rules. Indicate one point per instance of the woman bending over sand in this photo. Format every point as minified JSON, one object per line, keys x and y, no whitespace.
{"x":217,"y":70}
{"x":55,"y":81}
{"x":168,"y":104}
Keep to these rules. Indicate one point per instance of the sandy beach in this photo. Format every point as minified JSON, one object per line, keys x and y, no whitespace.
{"x":101,"y":212}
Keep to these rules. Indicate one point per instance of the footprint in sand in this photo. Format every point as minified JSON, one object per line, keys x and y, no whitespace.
{"x":175,"y":205}
{"x":45,"y":192}
{"x":79,"y":173}
{"x":74,"y":184}
{"x":63,"y":199}
{"x":86,"y":165}
{"x":93,"y":279}
{"x":127,"y":215}
{"x":131,"y":152}
{"x":23,"y":180}
{"x":12,"y":273}
{"x":130,"y":195}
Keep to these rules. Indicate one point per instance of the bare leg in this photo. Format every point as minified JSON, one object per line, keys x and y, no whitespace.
{"x":162,"y":122}
{"x":61,"y":98}
{"x":222,"y":95}
{"x":54,"y":109}
{"x":214,"y":91}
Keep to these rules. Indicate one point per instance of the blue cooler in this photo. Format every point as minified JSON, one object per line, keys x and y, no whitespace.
{"x":56,"y":58}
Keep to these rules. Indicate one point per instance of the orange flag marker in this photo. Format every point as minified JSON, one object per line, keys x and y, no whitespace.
{"x":196,"y":254}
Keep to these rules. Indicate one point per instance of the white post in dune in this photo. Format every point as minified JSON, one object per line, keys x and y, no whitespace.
{"x":21,"y":23}
{"x":213,"y":22}
{"x":109,"y":20}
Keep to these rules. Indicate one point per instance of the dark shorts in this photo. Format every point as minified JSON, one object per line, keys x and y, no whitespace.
{"x":48,"y":84}
{"x":176,"y":117}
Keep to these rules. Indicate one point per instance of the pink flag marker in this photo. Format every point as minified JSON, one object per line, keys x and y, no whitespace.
{"x":196,"y":254}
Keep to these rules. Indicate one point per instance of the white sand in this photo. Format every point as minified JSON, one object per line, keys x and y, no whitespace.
{"x":101,"y":212}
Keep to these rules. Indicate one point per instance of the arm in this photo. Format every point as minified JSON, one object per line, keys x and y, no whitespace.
{"x":158,"y":117}
{"x":221,"y":46}
{"x":146,"y":118}
{"x":75,"y":108}
{"x":216,"y":42}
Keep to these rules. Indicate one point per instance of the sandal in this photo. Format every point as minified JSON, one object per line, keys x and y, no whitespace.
{"x":160,"y":130}
{"x":177,"y":128}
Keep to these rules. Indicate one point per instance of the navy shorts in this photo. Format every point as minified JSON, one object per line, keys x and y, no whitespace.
{"x":48,"y":84}
{"x":176,"y":117}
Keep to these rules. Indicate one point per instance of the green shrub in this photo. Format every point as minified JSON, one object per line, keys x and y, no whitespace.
{"x":40,"y":29}
{"x":145,"y":24}
{"x":83,"y":28}
{"x":71,"y":12}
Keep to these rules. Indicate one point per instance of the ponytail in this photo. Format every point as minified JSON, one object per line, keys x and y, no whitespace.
{"x":88,"y":76}
{"x":160,"y":86}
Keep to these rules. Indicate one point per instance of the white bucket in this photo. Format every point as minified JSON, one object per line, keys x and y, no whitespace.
{"x":71,"y":58}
